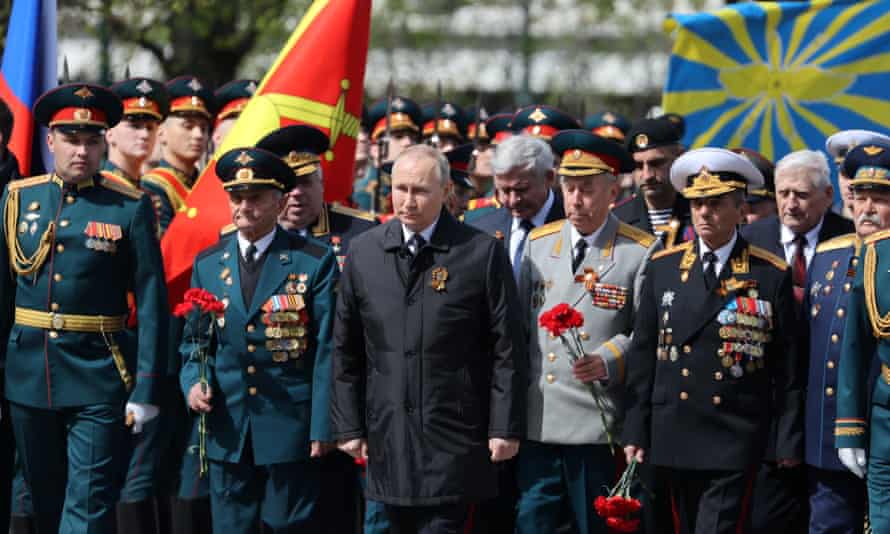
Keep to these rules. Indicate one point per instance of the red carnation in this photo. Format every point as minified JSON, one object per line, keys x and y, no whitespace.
{"x":622,"y":524}
{"x":183,"y":308}
{"x":560,"y":318}
{"x":201,"y":299}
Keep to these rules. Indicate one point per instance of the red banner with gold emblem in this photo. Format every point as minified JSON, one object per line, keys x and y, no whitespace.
{"x":318,"y":80}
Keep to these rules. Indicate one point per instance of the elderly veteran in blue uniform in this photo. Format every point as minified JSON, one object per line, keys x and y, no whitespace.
{"x":713,"y":357}
{"x":266,"y":383}
{"x":596,"y":263}
{"x":837,"y":146}
{"x":837,"y":497}
{"x":862,"y":426}
{"x":76,"y":244}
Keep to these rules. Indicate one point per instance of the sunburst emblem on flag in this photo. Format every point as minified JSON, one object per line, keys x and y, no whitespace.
{"x":779,"y":77}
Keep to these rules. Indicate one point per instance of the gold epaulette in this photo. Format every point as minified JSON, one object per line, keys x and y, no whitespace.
{"x":352,"y":212}
{"x":877,"y":236}
{"x":841,"y":241}
{"x":633,"y":233}
{"x":547,"y":229}
{"x":28,"y":182}
{"x":682,"y":247}
{"x":482,"y":202}
{"x":227,"y":229}
{"x":131,"y":192}
{"x":766,"y":255}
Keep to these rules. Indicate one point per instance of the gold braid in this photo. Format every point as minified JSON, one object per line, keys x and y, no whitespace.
{"x":22,"y":265}
{"x":880,"y":326}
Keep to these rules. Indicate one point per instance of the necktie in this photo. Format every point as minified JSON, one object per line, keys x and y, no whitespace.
{"x":799,"y":267}
{"x":416,"y":244}
{"x":710,"y":270}
{"x":580,"y":251}
{"x":525,"y":226}
{"x":250,"y":255}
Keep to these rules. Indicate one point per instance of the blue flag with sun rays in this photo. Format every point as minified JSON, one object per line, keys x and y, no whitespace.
{"x":780,"y":76}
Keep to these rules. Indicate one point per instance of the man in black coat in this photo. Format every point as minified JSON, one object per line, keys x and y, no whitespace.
{"x":713,"y":359}
{"x":429,"y":359}
{"x":803,"y":198}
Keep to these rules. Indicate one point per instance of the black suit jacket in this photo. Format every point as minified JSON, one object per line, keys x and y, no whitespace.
{"x":684,"y":407}
{"x":499,"y":222}
{"x":633,"y":211}
{"x":428,"y":371}
{"x":766,"y":233}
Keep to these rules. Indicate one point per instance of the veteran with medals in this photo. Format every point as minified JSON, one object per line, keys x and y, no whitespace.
{"x":595,"y":263}
{"x":76,"y":244}
{"x":713,"y":358}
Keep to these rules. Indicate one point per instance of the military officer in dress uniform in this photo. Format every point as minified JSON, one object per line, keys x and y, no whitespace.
{"x":542,"y":121}
{"x":183,"y":137}
{"x":596,"y":263}
{"x":609,"y":125}
{"x":445,"y":129}
{"x":837,"y":146}
{"x":837,"y":497}
{"x":76,"y":244}
{"x":230,"y":100}
{"x":863,"y":405}
{"x":714,"y":337}
{"x":260,"y":370}
{"x":656,"y":208}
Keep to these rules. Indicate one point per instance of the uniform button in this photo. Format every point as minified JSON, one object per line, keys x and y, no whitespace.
{"x":584,"y":336}
{"x":847,"y":287}
{"x":551,"y":357}
{"x":840,"y":312}
{"x":69,"y":199}
{"x":716,"y":400}
{"x":829,"y":391}
{"x":60,"y":248}
{"x":57,"y":277}
{"x":684,"y":372}
{"x":684,"y":395}
{"x":834,"y":338}
{"x":687,"y":349}
{"x":251,"y":390}
{"x":551,"y":378}
{"x":830,"y":364}
{"x":251,"y":369}
{"x":64,"y":222}
{"x":53,"y":334}
{"x":718,"y":376}
{"x":251,"y":328}
{"x":855,"y":262}
{"x":54,"y":306}
{"x":251,"y":348}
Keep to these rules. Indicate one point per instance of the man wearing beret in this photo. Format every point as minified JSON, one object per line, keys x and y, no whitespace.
{"x":706,"y":381}
{"x":657,"y":207}
{"x":596,"y":263}
{"x":76,"y":245}
{"x":259,"y":371}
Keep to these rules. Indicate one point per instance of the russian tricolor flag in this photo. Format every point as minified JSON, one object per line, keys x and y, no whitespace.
{"x":28,"y":70}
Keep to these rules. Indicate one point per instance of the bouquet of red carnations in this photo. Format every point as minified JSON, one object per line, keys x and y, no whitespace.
{"x":619,"y":509}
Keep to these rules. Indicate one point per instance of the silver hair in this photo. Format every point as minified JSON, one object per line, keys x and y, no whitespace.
{"x":426,"y":151}
{"x":523,"y":153}
{"x":811,"y":163}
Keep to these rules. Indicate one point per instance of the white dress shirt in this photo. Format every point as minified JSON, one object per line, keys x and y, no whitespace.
{"x":261,"y":244}
{"x":722,"y":253}
{"x":786,"y":236}
{"x":590,"y":238}
{"x":517,"y":234}
{"x":426,"y":234}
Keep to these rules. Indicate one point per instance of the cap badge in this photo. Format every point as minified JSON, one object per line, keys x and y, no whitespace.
{"x":144,"y":87}
{"x":142,"y":101}
{"x":243,"y":158}
{"x":641,"y":140}
{"x":537,"y":115}
{"x":195,"y":85}
{"x":398,"y":103}
{"x":196,"y":101}
{"x":609,"y":118}
{"x":448,"y":109}
{"x":244,"y":174}
{"x":536,"y":130}
{"x":83,"y":92}
{"x":872,"y":150}
{"x":576,"y":154}
{"x":251,"y":87}
{"x":83,"y":114}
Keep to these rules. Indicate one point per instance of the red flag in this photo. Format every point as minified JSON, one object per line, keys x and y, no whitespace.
{"x":318,"y":80}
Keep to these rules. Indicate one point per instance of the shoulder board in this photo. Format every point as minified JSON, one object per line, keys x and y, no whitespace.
{"x":547,"y":229}
{"x":635,"y":234}
{"x":682,"y":247}
{"x":877,"y":236}
{"x":484,"y":202}
{"x":219,"y":245}
{"x":766,"y":255}
{"x":623,"y":201}
{"x":352,"y":212}
{"x":308,"y":246}
{"x":841,"y":241}
{"x":28,"y":182}
{"x":121,"y":188}
{"x":227,"y":229}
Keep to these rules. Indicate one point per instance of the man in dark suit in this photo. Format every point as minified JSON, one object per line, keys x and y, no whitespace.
{"x":524,"y":177}
{"x":429,"y":360}
{"x":803,"y":196}
{"x":705,"y":382}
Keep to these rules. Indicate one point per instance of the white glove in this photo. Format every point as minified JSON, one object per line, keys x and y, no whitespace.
{"x":139,"y":414}
{"x":854,"y":460}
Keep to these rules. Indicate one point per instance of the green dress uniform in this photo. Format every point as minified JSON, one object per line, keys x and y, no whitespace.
{"x":267,"y":363}
{"x":75,"y":250}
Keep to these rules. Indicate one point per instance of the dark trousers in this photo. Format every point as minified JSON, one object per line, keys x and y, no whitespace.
{"x":710,"y":502}
{"x":551,"y":476}
{"x":444,"y":519}
{"x":340,"y":499}
{"x":837,"y":502}
{"x":498,"y":514}
{"x":780,"y":500}
{"x":73,"y":461}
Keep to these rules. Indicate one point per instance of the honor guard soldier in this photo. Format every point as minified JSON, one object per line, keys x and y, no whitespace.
{"x":445,"y":128}
{"x":837,"y":146}
{"x":183,"y":137}
{"x":497,"y":127}
{"x":609,"y":125}
{"x":480,"y":136}
{"x":713,"y":358}
{"x":863,"y":409}
{"x":230,"y":100}
{"x":132,"y":141}
{"x":459,"y":161}
{"x":542,"y":121}
{"x":595,"y":261}
{"x":402,"y":126}
{"x":267,"y":373}
{"x":657,"y":207}
{"x":762,"y":201}
{"x":76,"y":244}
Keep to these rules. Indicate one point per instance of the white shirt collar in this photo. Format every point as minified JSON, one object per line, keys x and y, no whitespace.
{"x":787,"y":236}
{"x":590,"y":238}
{"x":261,"y":244}
{"x":426,"y":233}
{"x":541,"y":217}
{"x":722,"y":252}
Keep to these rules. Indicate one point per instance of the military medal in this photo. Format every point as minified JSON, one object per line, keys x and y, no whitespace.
{"x":291,"y":288}
{"x":667,"y":298}
{"x":102,"y":236}
{"x":336,"y":244}
{"x":675,"y":354}
{"x":279,"y":356}
{"x":736,"y":370}
{"x":439,"y":276}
